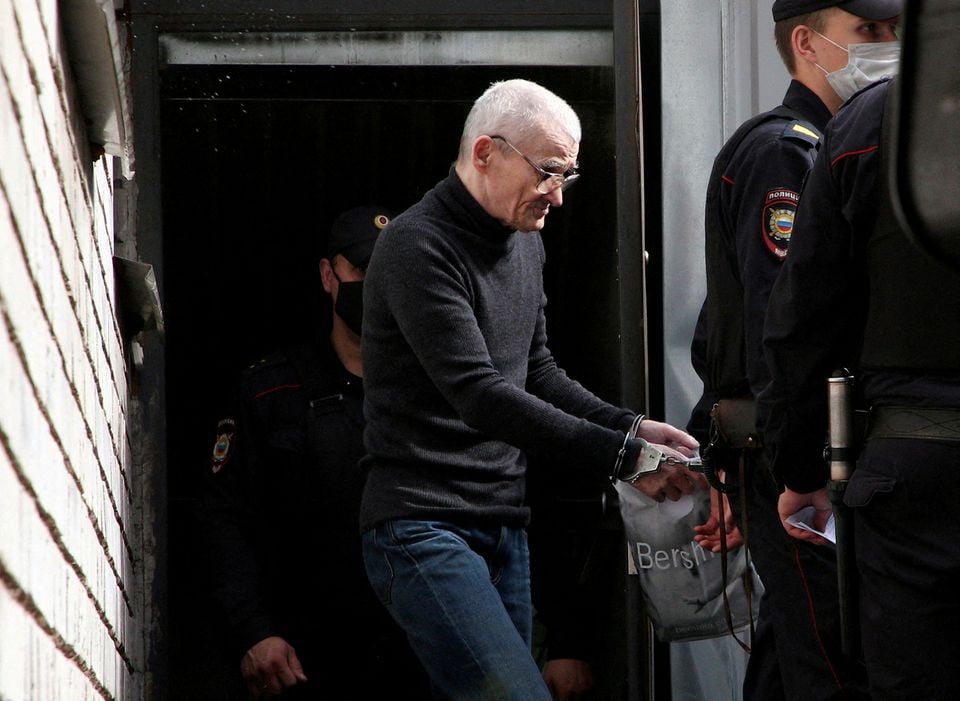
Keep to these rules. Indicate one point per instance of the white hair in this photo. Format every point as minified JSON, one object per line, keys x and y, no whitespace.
{"x":517,"y":109}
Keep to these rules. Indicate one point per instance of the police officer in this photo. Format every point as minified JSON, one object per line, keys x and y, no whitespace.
{"x":575,"y":546}
{"x":280,"y":508}
{"x":855,"y":293}
{"x":751,"y":203}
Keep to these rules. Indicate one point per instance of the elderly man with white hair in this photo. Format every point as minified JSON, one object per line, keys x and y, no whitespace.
{"x":460,"y":384}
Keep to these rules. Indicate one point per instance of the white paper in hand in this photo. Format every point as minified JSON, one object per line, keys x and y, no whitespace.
{"x":804,"y":519}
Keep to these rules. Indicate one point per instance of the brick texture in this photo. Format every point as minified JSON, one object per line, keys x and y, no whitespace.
{"x":68,"y":622}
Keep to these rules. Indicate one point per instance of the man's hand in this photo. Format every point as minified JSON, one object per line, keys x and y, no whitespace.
{"x":271,"y":666}
{"x":791,"y":502}
{"x":568,"y":679}
{"x":670,"y":436}
{"x":708,"y":534}
{"x":672,"y":480}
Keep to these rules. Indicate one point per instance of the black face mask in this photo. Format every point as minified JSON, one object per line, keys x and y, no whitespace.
{"x":349,"y":305}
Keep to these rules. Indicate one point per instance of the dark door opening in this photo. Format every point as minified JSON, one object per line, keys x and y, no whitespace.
{"x":256,"y":163}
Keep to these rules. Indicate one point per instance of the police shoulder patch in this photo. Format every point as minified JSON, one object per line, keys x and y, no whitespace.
{"x":223,"y":447}
{"x":779,"y":210}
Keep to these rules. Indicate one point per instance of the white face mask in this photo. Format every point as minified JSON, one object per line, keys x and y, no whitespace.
{"x":866,"y":64}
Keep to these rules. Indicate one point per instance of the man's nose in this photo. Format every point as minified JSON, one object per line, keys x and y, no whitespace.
{"x":554,"y":197}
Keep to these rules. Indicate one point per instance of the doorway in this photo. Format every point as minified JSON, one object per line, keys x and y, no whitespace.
{"x":257,"y":158}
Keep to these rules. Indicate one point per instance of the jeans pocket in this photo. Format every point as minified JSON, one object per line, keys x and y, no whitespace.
{"x":376,"y":561}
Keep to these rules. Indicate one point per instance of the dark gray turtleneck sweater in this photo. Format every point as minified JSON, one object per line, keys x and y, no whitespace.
{"x":458,"y":379}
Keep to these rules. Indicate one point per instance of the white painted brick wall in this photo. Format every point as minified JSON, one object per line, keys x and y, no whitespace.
{"x":67,"y":583}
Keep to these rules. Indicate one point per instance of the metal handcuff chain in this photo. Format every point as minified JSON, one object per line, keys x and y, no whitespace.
{"x":651,"y":458}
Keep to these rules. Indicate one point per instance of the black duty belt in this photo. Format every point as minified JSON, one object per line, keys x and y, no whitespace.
{"x":915,"y":423}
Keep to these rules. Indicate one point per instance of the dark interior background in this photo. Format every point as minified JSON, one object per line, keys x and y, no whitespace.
{"x":256,"y":163}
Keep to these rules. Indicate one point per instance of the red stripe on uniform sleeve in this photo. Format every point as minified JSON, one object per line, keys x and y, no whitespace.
{"x":275,"y":389}
{"x":852,"y":153}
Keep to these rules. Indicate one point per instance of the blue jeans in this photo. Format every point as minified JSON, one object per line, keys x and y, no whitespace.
{"x":463,"y":597}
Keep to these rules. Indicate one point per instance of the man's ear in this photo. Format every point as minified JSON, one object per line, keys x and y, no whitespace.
{"x":483,"y":148}
{"x":803,"y":48}
{"x":326,"y":275}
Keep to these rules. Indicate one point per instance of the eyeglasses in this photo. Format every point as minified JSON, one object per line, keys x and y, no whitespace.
{"x":548,"y":181}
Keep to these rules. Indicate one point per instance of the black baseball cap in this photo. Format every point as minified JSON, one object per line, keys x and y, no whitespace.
{"x":354,"y":232}
{"x":868,"y":9}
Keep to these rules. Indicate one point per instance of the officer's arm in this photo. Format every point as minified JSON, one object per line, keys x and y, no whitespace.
{"x":768,"y":183}
{"x":810,"y":324}
{"x":224,"y":518}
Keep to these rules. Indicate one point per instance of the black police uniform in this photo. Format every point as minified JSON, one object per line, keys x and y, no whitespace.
{"x":279,"y":515}
{"x":751,"y":202}
{"x":576,"y":550}
{"x":856,"y":293}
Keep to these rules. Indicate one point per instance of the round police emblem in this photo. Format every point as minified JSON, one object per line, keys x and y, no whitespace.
{"x":223,"y":446}
{"x":781,"y":222}
{"x":779,"y":210}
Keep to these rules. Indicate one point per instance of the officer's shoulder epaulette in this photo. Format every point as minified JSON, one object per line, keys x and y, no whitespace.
{"x":801,"y":131}
{"x":265,"y":364}
{"x":272,"y":371}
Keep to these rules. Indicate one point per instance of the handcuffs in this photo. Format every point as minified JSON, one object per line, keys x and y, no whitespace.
{"x":650,"y":460}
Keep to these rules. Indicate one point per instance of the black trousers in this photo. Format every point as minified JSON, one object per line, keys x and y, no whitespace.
{"x":906,"y":495}
{"x":796,"y":650}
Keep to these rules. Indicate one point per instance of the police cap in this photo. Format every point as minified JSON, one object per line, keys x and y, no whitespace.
{"x":354,"y":232}
{"x":868,"y":9}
